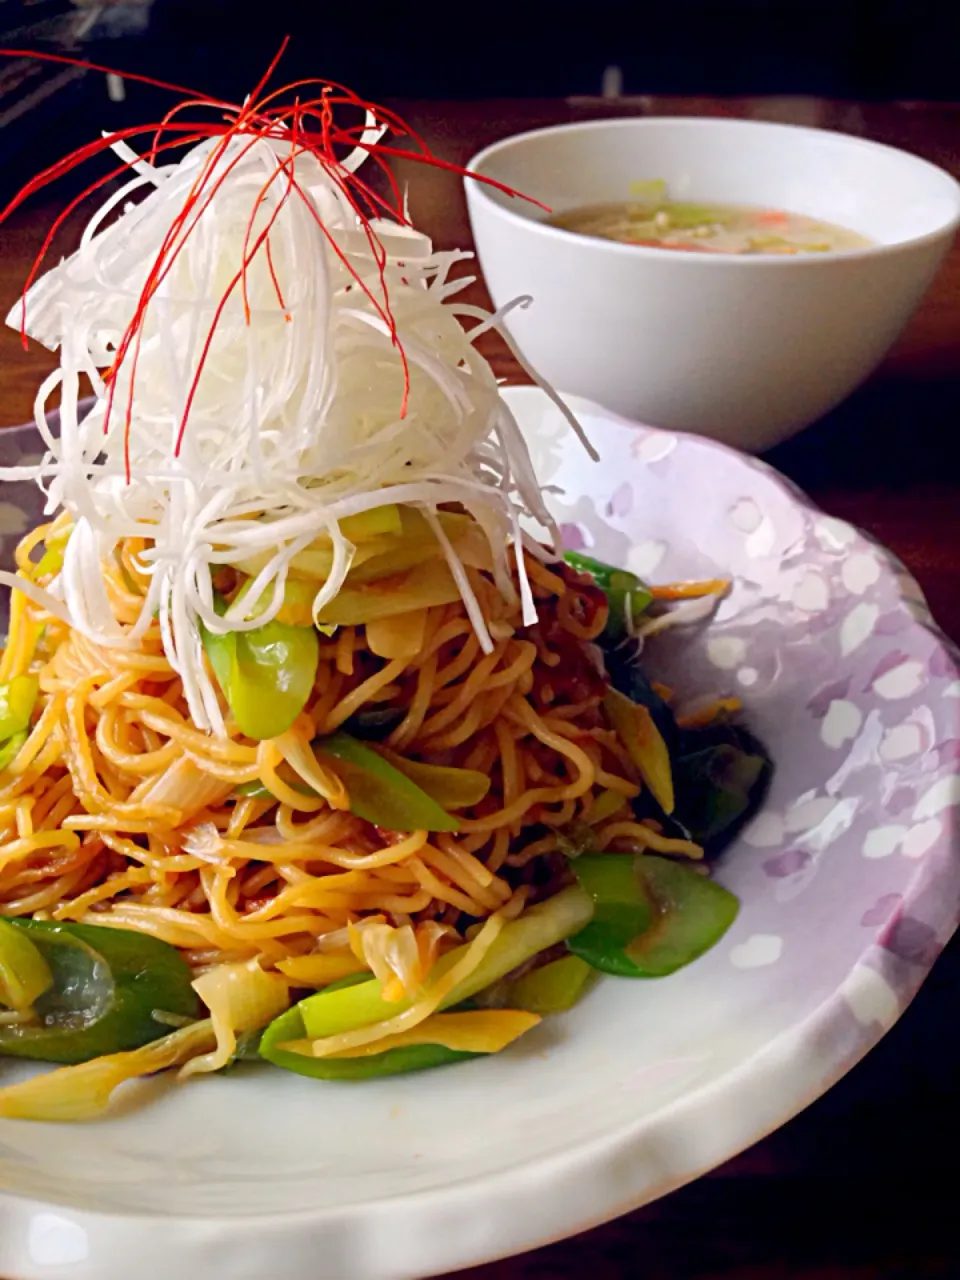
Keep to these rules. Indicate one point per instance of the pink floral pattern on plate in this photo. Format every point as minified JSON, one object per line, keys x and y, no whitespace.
{"x":854,"y":862}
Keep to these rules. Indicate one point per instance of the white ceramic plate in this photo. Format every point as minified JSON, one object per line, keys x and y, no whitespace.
{"x":850,"y":880}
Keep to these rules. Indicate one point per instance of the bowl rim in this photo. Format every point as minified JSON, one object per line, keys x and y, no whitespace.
{"x":252,"y":1246}
{"x":477,"y":190}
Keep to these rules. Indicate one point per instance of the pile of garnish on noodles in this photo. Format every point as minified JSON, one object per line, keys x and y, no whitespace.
{"x":291,"y":701}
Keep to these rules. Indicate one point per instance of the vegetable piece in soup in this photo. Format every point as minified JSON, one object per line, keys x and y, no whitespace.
{"x":652,"y":219}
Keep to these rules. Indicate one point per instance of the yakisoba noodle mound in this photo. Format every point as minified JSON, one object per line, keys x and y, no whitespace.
{"x":223,"y":846}
{"x":309,"y":753}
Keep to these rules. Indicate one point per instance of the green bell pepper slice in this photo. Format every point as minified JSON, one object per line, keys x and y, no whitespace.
{"x":18,"y":697}
{"x":379,"y":792}
{"x":266,"y":674}
{"x":290,"y":1026}
{"x":626,"y":593}
{"x":24,"y":974}
{"x":386,"y":795}
{"x":623,"y":911}
{"x":107,"y":984}
{"x":553,"y":988}
{"x":10,"y":749}
{"x":52,"y":559}
{"x":721,"y":774}
{"x":637,"y":730}
{"x":652,"y":915}
{"x":451,"y":788}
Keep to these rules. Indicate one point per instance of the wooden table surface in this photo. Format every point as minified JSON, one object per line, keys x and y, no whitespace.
{"x":862,"y":1184}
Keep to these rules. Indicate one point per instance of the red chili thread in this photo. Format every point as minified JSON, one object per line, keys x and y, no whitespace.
{"x":256,"y":119}
{"x":282,"y":165}
{"x":163,"y":265}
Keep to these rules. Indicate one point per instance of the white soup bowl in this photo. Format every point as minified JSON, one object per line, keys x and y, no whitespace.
{"x":745,"y":348}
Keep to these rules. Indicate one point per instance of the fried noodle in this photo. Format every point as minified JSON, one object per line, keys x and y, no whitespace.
{"x":117,"y":811}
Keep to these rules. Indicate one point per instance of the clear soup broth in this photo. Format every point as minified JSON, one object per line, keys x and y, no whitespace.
{"x":651,"y":218}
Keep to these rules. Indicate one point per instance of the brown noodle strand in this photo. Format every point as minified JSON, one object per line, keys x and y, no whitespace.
{"x":365,"y":692}
{"x":412,"y":722}
{"x":346,"y":640}
{"x":639,"y":834}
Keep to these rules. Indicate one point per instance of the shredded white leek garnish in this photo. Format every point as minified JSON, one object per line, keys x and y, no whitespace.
{"x":287,"y":411}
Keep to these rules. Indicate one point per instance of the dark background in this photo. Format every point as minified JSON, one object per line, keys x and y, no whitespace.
{"x":423,"y":48}
{"x":863,"y":49}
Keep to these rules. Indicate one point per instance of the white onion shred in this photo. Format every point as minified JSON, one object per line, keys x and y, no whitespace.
{"x":295,"y":420}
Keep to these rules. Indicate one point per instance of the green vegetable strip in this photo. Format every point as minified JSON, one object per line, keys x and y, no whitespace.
{"x":17,"y":700}
{"x":544,"y":925}
{"x":266,"y":675}
{"x":695,"y":913}
{"x":107,"y":983}
{"x":627,"y":595}
{"x":289,"y":1026}
{"x":553,"y":988}
{"x":623,"y":911}
{"x":11,"y":748}
{"x":378,"y":791}
{"x":24,"y":974}
{"x":652,"y":917}
{"x":388,"y":794}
